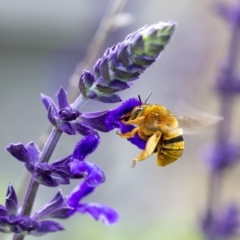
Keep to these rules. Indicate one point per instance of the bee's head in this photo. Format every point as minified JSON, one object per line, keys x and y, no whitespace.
{"x":136,"y":112}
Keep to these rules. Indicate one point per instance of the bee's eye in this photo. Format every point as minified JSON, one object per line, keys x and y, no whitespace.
{"x":135,"y":113}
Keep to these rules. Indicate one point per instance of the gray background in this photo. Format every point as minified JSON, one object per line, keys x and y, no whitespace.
{"x":40,"y":44}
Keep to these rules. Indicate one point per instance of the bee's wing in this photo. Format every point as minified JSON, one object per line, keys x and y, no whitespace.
{"x":193,"y":121}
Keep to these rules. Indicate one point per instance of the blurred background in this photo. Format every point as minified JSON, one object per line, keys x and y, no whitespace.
{"x":41,"y":42}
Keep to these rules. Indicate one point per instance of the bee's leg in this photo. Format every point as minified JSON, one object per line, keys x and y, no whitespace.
{"x":135,"y":121}
{"x":128,"y":134}
{"x":149,"y":149}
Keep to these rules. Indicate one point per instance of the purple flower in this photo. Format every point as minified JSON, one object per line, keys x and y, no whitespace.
{"x":224,"y":224}
{"x":221,"y":157}
{"x":98,"y":211}
{"x":106,"y":121}
{"x":230,"y":13}
{"x":125,"y":62}
{"x":73,"y":166}
{"x":65,"y":207}
{"x":12,"y":222}
{"x":64,"y":117}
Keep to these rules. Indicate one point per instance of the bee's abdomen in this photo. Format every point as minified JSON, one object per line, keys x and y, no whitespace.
{"x":170,"y":149}
{"x":173,"y":140}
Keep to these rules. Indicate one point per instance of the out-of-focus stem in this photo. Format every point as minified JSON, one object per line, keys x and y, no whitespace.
{"x":223,"y":130}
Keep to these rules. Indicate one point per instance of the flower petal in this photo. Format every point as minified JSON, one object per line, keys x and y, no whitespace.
{"x":58,"y":207}
{"x":47,"y":101}
{"x":34,"y":152}
{"x":92,"y":173}
{"x":53,"y":115}
{"x":87,"y":144}
{"x":19,"y":151}
{"x":95,"y":120}
{"x":11,"y":201}
{"x":78,"y":193}
{"x":47,"y":226}
{"x":107,"y":121}
{"x":99,"y":212}
{"x":62,"y":98}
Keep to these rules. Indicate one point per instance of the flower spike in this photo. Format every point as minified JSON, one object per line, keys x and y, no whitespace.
{"x":125,"y":62}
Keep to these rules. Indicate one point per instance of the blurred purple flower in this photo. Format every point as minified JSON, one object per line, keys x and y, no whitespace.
{"x":124,"y":62}
{"x":224,"y":224}
{"x":230,"y":12}
{"x":64,"y":117}
{"x":219,"y":158}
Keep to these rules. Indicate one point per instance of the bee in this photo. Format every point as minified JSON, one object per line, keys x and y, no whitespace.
{"x":163,"y":131}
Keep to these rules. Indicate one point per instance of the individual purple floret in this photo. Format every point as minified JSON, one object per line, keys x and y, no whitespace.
{"x":224,"y":224}
{"x":65,"y":116}
{"x":125,"y":62}
{"x":12,"y":222}
{"x":65,"y":207}
{"x":73,"y":166}
{"x":106,"y":121}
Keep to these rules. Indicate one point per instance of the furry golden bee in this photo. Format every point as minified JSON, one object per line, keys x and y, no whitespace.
{"x":163,"y":131}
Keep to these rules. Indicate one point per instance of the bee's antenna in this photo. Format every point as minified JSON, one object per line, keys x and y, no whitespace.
{"x":148,"y":96}
{"x":140,"y":100}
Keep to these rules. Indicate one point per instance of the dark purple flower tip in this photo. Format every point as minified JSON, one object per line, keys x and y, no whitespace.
{"x":87,"y":144}
{"x":28,"y":154}
{"x":99,"y":212}
{"x":92,"y":173}
{"x":58,"y":207}
{"x":62,"y":98}
{"x":69,"y":114}
{"x":86,"y":81}
{"x":11,"y":201}
{"x":51,"y":176}
{"x":106,"y":121}
{"x":224,"y":224}
{"x":47,"y":226}
{"x":79,"y":192}
{"x":19,"y":151}
{"x":47,"y":102}
{"x":218,"y":158}
{"x":230,"y":12}
{"x":28,"y":224}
